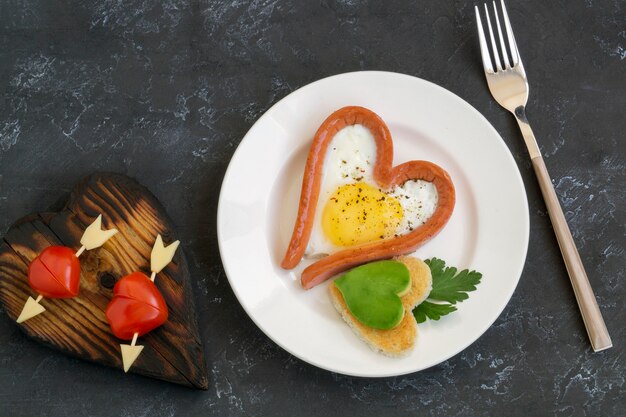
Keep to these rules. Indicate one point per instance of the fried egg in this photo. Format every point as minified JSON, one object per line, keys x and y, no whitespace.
{"x":352,"y":209}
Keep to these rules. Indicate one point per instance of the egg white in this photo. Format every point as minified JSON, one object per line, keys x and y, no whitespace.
{"x":418,"y":199}
{"x":351,"y":158}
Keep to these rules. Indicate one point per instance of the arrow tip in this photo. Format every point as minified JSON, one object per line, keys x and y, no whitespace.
{"x":30,"y":310}
{"x":129,"y":355}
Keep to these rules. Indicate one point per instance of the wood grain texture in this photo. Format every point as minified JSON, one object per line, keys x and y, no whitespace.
{"x":78,"y":326}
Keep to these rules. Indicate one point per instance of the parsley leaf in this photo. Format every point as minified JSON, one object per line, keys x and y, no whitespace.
{"x":449,"y":287}
{"x":428,"y":310}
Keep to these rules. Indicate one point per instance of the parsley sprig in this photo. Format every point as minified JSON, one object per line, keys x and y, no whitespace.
{"x":449,"y":288}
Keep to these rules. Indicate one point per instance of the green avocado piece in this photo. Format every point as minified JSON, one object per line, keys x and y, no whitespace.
{"x":372,"y":292}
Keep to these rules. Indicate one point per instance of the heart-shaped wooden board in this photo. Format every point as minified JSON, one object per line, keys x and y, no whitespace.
{"x":78,"y":326}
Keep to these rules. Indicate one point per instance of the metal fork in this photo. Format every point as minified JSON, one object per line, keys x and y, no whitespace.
{"x":509,"y":86}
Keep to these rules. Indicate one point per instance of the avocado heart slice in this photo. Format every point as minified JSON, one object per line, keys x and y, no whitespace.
{"x":372,"y":292}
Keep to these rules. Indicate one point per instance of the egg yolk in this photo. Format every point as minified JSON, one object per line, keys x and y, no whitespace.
{"x":360,"y":213}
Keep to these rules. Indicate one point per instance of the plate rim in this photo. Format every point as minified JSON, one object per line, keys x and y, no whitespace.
{"x":443,"y":90}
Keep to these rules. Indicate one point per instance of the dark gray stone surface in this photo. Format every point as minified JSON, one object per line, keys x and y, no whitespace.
{"x":165,"y":90}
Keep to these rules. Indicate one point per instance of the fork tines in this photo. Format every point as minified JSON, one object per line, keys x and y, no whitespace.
{"x":501,"y":59}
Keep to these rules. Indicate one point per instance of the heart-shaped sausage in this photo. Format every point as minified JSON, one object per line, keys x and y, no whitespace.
{"x":137,"y":307}
{"x":78,"y":326}
{"x":55,"y":273}
{"x":386,"y":176}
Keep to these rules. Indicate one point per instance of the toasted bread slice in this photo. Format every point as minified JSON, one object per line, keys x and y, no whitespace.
{"x":401,"y":339}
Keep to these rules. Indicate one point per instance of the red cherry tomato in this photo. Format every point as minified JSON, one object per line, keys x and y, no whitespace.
{"x":137,"y":307}
{"x":55,"y":273}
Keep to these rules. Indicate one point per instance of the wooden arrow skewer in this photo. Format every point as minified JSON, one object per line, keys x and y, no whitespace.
{"x":80,"y":251}
{"x":92,"y":238}
{"x":159,"y":258}
{"x":32,"y":307}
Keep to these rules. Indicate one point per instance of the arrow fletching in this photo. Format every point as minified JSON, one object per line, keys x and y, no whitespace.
{"x":94,"y":236}
{"x":161,"y":255}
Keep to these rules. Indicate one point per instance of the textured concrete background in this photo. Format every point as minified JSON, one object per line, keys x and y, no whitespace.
{"x":165,"y":90}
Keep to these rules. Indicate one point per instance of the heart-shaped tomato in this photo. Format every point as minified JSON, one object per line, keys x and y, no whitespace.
{"x":137,"y":307}
{"x":55,"y":273}
{"x":386,"y":176}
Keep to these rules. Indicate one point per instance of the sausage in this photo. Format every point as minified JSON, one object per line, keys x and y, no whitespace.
{"x":386,"y":176}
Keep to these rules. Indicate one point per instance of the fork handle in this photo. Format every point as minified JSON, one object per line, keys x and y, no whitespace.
{"x":594,"y":323}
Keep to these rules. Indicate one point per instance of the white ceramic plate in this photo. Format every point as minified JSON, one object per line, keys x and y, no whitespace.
{"x":488,"y":230}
